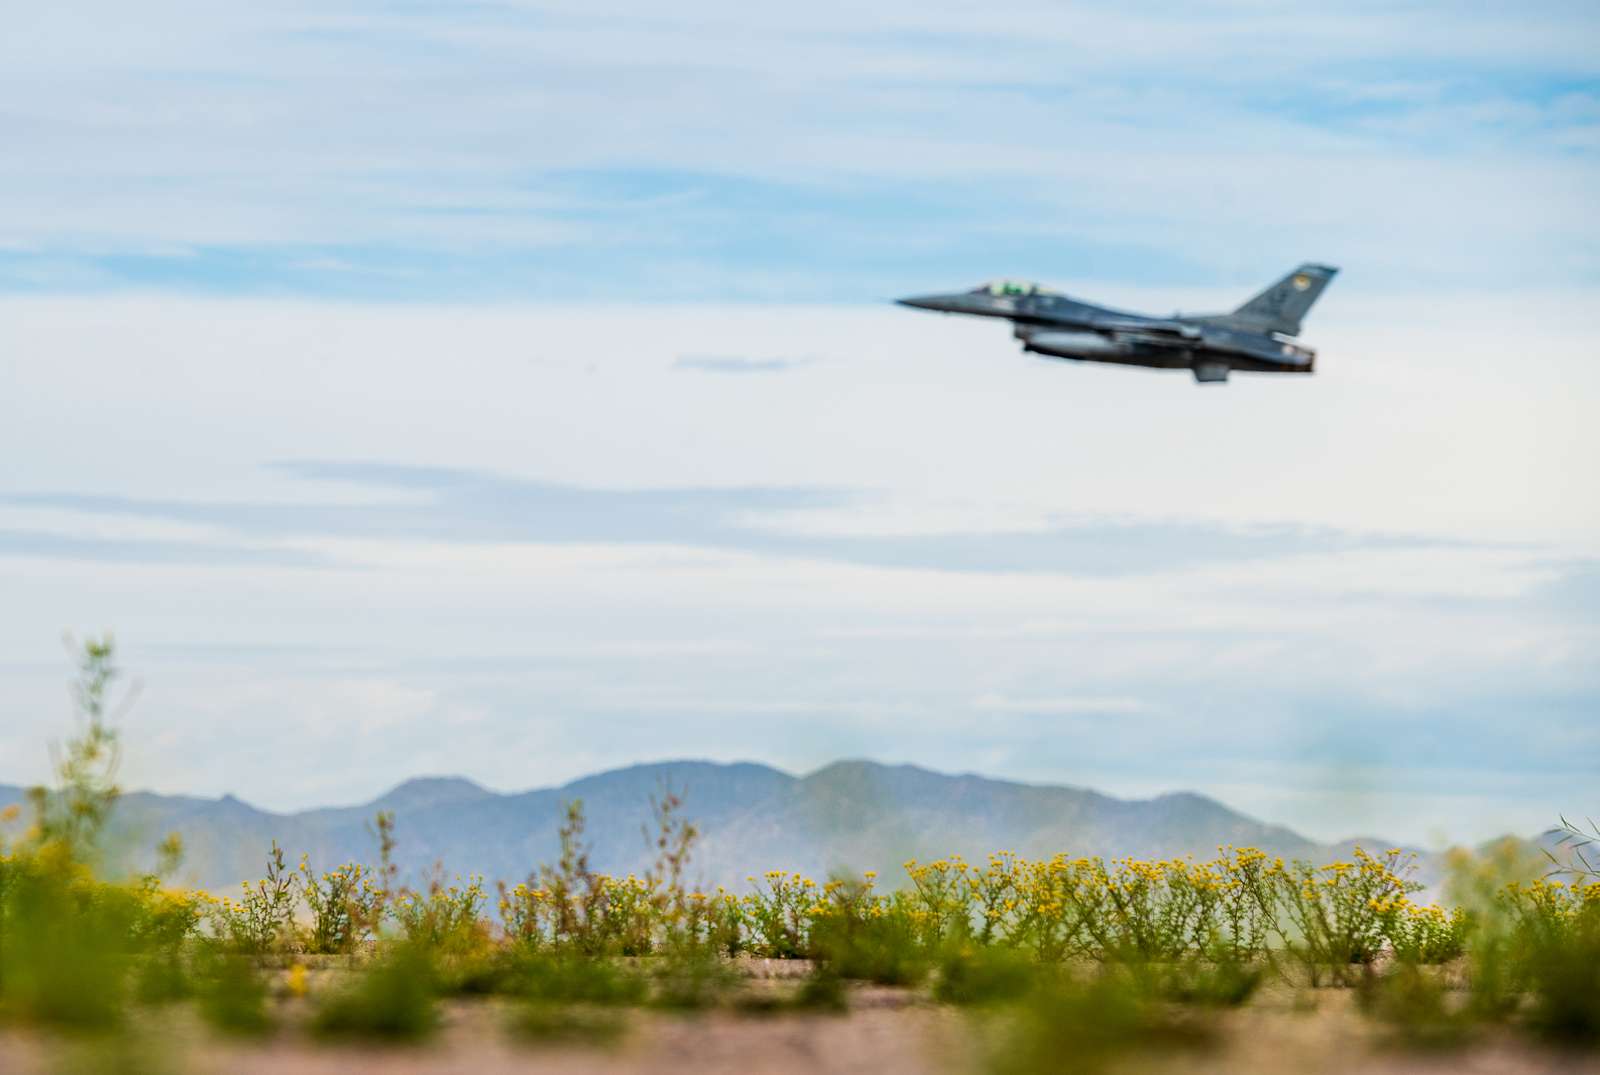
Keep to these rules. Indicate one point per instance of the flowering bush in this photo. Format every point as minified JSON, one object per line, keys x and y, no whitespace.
{"x":779,"y":914}
{"x":261,"y":919}
{"x":1335,"y":910}
{"x":445,"y":918}
{"x":1421,"y":934}
{"x":345,"y":905}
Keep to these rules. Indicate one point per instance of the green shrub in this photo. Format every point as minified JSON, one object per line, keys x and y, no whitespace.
{"x":822,"y":991}
{"x":261,"y":920}
{"x":345,"y":906}
{"x":162,"y":977}
{"x":445,"y":919}
{"x":860,"y":935}
{"x":233,"y":995}
{"x":1093,"y":1022}
{"x":1562,"y":968}
{"x":777,"y":914}
{"x":1336,"y":912}
{"x":974,"y":974}
{"x":1424,"y":935}
{"x":1534,"y":951}
{"x":393,"y":999}
{"x":1218,"y":981}
{"x":572,"y":979}
{"x":1416,"y":1009}
{"x":543,"y":1023}
{"x":692,"y":978}
{"x":65,"y":947}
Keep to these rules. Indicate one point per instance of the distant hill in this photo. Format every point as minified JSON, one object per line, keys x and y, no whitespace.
{"x":849,"y":815}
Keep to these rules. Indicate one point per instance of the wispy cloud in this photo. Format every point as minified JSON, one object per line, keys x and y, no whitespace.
{"x":481,"y":507}
{"x":54,"y":545}
{"x":1068,"y":705}
{"x":733,"y":364}
{"x":705,"y":152}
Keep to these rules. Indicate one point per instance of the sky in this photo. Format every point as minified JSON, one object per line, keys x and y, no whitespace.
{"x":511,"y":390}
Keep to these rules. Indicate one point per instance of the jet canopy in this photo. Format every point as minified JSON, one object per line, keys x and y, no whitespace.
{"x":1010,"y":288}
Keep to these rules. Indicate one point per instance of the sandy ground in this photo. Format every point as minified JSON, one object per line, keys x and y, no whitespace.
{"x":884,"y":1031}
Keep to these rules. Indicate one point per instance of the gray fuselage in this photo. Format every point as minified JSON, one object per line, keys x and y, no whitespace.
{"x":1211,"y":345}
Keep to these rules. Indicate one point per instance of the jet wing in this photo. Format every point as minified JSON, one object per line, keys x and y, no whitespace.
{"x":1181,"y":329}
{"x":1190,"y":337}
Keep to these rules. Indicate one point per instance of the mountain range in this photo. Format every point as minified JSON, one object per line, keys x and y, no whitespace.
{"x":851,"y":815}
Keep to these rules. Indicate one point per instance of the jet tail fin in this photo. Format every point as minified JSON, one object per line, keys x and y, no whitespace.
{"x":1281,"y":307}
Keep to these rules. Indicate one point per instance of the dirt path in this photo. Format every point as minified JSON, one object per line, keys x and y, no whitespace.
{"x":885,"y":1031}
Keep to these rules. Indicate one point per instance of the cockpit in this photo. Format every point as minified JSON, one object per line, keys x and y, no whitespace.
{"x":1010,"y":288}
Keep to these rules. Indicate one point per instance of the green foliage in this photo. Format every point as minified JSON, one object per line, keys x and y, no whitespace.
{"x":692,"y":978}
{"x":233,"y":994}
{"x":940,"y":903}
{"x":165,"y":921}
{"x":1577,"y":846}
{"x":70,"y":942}
{"x":74,"y":949}
{"x":1216,"y":981}
{"x":1555,"y":952}
{"x":393,"y":1000}
{"x":559,"y":978}
{"x":673,"y":842}
{"x":1246,"y":886}
{"x":777,"y":914}
{"x":1416,"y":1009}
{"x":980,"y":974}
{"x":1534,"y":945}
{"x":75,"y":813}
{"x":1337,"y":912}
{"x":162,"y":979}
{"x":261,"y":919}
{"x":553,"y":1024}
{"x":1425,"y":935}
{"x":860,"y":935}
{"x":822,"y":991}
{"x":569,"y":907}
{"x":446,"y":919}
{"x":1095,"y":1022}
{"x":386,"y":878}
{"x":66,"y":948}
{"x":345,"y":907}
{"x":1064,"y":909}
{"x":565,"y":905}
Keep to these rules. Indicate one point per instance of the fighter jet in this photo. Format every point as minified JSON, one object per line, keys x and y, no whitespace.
{"x":1258,"y":336}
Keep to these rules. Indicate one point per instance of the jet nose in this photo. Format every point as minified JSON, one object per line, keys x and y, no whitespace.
{"x":928,"y":302}
{"x":980,"y":303}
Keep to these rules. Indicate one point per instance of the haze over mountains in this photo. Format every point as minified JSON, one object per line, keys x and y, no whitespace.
{"x":849,"y":815}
